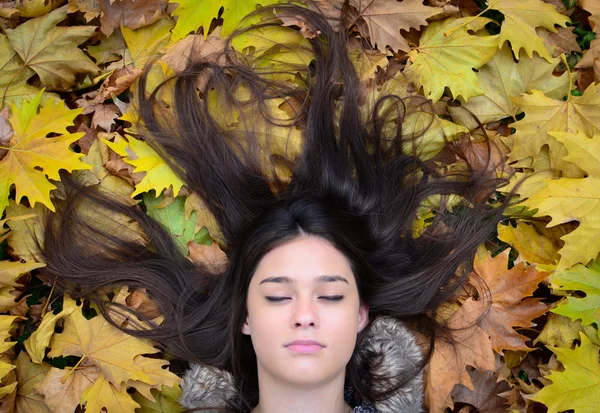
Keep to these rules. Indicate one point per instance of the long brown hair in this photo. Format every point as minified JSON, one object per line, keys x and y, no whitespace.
{"x":357,"y":182}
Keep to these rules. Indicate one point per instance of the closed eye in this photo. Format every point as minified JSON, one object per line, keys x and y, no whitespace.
{"x":328,"y":298}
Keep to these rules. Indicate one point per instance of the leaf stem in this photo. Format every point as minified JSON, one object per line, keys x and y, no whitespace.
{"x":64,"y":379}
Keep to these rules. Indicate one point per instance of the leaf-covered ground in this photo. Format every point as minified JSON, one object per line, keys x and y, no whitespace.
{"x":528,"y":69}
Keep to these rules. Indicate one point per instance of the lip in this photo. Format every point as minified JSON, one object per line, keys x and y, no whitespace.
{"x":305,"y":348}
{"x":304,"y":343}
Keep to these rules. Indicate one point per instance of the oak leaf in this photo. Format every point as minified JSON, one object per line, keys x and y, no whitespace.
{"x":29,"y":149}
{"x":578,"y":386}
{"x":448,"y":61}
{"x":510,"y":307}
{"x":485,"y":395}
{"x":544,"y":115}
{"x":579,"y":278}
{"x":112,"y":350}
{"x":129,"y":13}
{"x":52,"y":51}
{"x":386,"y":18}
{"x":448,"y":363}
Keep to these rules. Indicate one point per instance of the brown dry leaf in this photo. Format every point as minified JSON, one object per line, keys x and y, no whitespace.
{"x":386,"y":18}
{"x":485,"y":396}
{"x":563,"y":41}
{"x":193,"y":202}
{"x":130,"y":13}
{"x":64,"y":397}
{"x":105,"y":115}
{"x":591,"y":57}
{"x":448,"y":364}
{"x":119,"y":81}
{"x":509,"y":307}
{"x":211,"y":256}
{"x":89,"y":8}
{"x":193,"y":47}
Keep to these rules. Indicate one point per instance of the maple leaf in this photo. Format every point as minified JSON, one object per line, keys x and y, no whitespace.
{"x":578,"y":386}
{"x":52,"y":51}
{"x":102,"y":394}
{"x":37,"y":342}
{"x":386,"y":18}
{"x":590,"y":5}
{"x":544,"y":115}
{"x":29,"y":375}
{"x":13,"y":75}
{"x":138,"y":153}
{"x":204,"y":218}
{"x":129,"y":13}
{"x":10,"y":271}
{"x":510,"y":308}
{"x":166,"y":401}
{"x":448,"y":61}
{"x":145,"y":43}
{"x":64,"y":396}
{"x":448,"y":363}
{"x":29,"y":149}
{"x":193,"y":14}
{"x":107,"y":347}
{"x":502,"y":77}
{"x":579,"y":278}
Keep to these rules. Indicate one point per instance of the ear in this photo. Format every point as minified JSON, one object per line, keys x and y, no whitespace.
{"x":246,"y":327}
{"x":363,"y":317}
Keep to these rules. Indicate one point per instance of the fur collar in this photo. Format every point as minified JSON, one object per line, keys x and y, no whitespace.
{"x":208,"y":386}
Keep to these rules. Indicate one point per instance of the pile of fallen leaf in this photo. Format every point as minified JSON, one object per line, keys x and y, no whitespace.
{"x":528,"y":69}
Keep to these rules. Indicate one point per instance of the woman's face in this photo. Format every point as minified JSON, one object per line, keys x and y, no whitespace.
{"x":291,"y":272}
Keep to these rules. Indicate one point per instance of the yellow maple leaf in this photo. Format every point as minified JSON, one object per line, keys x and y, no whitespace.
{"x":113,"y":351}
{"x":544,"y":115}
{"x":28,"y":376}
{"x":103,"y":394}
{"x":9,"y":272}
{"x":29,"y":149}
{"x":502,"y":78}
{"x":138,"y":153}
{"x":52,"y":51}
{"x":578,"y":386}
{"x":448,"y":61}
{"x":37,"y":342}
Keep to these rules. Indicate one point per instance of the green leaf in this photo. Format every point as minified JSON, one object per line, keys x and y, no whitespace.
{"x":172,"y":217}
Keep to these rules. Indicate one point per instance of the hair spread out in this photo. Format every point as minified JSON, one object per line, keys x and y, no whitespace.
{"x":357,"y":181}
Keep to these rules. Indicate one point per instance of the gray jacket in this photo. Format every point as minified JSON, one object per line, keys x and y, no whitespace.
{"x":204,"y":386}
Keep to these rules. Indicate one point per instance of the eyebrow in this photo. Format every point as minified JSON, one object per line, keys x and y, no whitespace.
{"x":319,"y":279}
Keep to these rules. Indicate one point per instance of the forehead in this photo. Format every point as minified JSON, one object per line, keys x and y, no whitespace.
{"x":304,"y":259}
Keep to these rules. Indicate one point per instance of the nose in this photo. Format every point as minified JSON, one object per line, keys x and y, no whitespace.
{"x":304,"y":313}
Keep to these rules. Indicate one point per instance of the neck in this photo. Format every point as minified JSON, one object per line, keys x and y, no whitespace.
{"x":276,"y":396}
